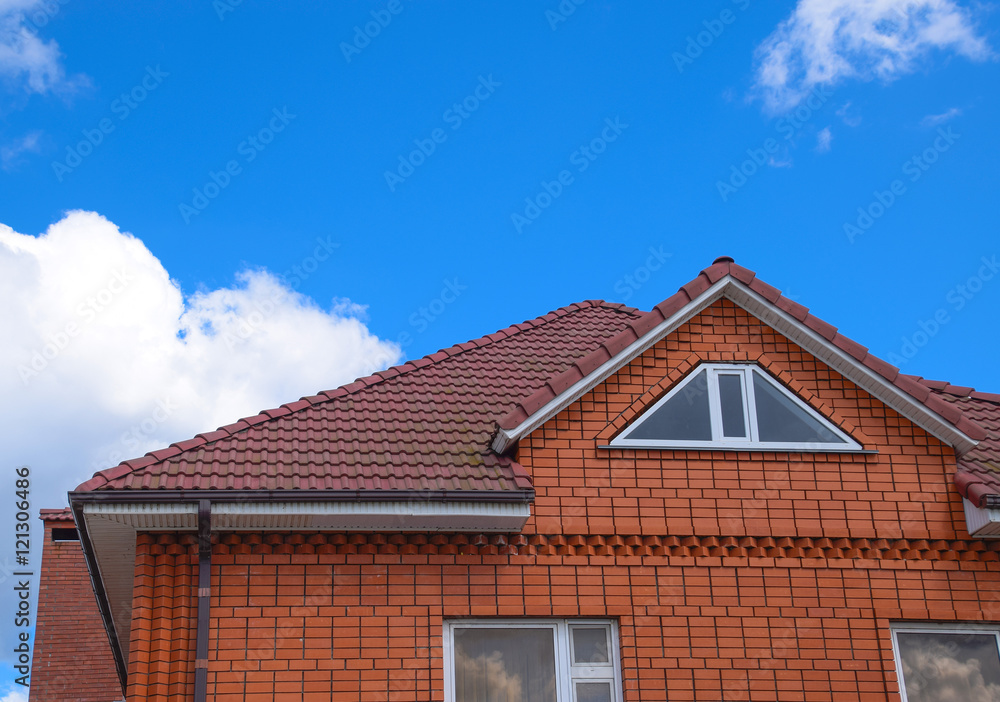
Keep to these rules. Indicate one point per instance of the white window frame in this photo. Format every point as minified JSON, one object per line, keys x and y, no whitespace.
{"x":748,"y":443}
{"x":931,"y":628}
{"x":567,"y":673}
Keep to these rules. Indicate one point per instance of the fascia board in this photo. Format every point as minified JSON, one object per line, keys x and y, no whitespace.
{"x":780,"y":321}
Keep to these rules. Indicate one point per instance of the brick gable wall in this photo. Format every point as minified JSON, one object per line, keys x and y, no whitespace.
{"x":905,"y":491}
{"x":733,"y":576}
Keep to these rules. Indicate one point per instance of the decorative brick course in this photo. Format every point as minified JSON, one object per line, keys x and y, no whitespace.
{"x":296,"y":616}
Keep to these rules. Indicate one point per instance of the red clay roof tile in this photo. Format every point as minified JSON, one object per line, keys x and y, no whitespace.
{"x":824,"y":329}
{"x":64,"y":514}
{"x":427,"y":422}
{"x":673,"y":304}
{"x":979,"y":469}
{"x":793,"y":308}
{"x":423,"y":425}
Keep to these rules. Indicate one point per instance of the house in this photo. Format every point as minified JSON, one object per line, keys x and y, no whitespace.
{"x":71,"y":659}
{"x":720,"y":499}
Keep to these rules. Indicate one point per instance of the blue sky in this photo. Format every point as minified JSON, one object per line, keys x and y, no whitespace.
{"x":315,"y":190}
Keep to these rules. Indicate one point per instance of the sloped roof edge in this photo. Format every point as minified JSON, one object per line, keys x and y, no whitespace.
{"x":104,"y":477}
{"x":724,"y":278}
{"x":62,"y":514}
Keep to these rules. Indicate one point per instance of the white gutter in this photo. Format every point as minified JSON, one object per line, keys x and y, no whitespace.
{"x":982,"y":522}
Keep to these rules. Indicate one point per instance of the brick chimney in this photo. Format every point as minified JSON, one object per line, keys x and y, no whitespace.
{"x":72,"y":658}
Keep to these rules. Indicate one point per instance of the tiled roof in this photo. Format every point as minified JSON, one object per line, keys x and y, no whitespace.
{"x":426,"y":424}
{"x":65,"y":514}
{"x":423,"y":425}
{"x":722,"y":267}
{"x":979,"y":469}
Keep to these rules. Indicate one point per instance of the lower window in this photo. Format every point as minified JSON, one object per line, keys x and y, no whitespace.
{"x":529,"y":660}
{"x":947,"y":662}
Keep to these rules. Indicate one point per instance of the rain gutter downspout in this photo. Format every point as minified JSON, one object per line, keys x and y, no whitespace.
{"x":204,"y":593}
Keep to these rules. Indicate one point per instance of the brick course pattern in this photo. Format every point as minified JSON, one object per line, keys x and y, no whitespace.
{"x":72,"y":658}
{"x":733,"y":576}
{"x":296,"y":616}
{"x":905,"y":491}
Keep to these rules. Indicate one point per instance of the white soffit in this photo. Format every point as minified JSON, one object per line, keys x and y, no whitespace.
{"x":402,"y":515}
{"x":370,"y":516}
{"x":982,"y":522}
{"x":114,"y":550}
{"x":781,"y":322}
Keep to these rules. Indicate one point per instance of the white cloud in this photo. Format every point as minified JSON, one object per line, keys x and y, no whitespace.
{"x":10,"y":154}
{"x":28,"y":62}
{"x":848,"y":115}
{"x":942,"y":673}
{"x":14,"y":695}
{"x":824,"y":42}
{"x":103,"y":358}
{"x":823,"y":140}
{"x":935,"y":120}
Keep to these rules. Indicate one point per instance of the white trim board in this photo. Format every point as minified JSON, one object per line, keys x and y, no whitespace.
{"x":779,"y":320}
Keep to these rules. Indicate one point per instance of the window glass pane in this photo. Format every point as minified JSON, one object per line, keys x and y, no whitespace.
{"x":780,"y":419}
{"x":504,"y":665}
{"x":590,"y":645}
{"x":593,"y":692}
{"x":683,"y":416}
{"x":950,"y":666}
{"x":731,"y":399}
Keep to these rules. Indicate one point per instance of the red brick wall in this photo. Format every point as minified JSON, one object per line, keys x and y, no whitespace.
{"x":72,"y":657}
{"x":164,"y":618}
{"x":905,"y":491}
{"x":736,"y":576}
{"x":296,"y":617}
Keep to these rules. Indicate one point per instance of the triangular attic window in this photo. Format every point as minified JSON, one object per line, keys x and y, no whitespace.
{"x":732,"y":406}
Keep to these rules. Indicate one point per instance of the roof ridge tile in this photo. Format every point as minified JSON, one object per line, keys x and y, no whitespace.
{"x":716,"y":272}
{"x":702,"y":282}
{"x":800,"y":312}
{"x":824,"y":329}
{"x":697,"y":286}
